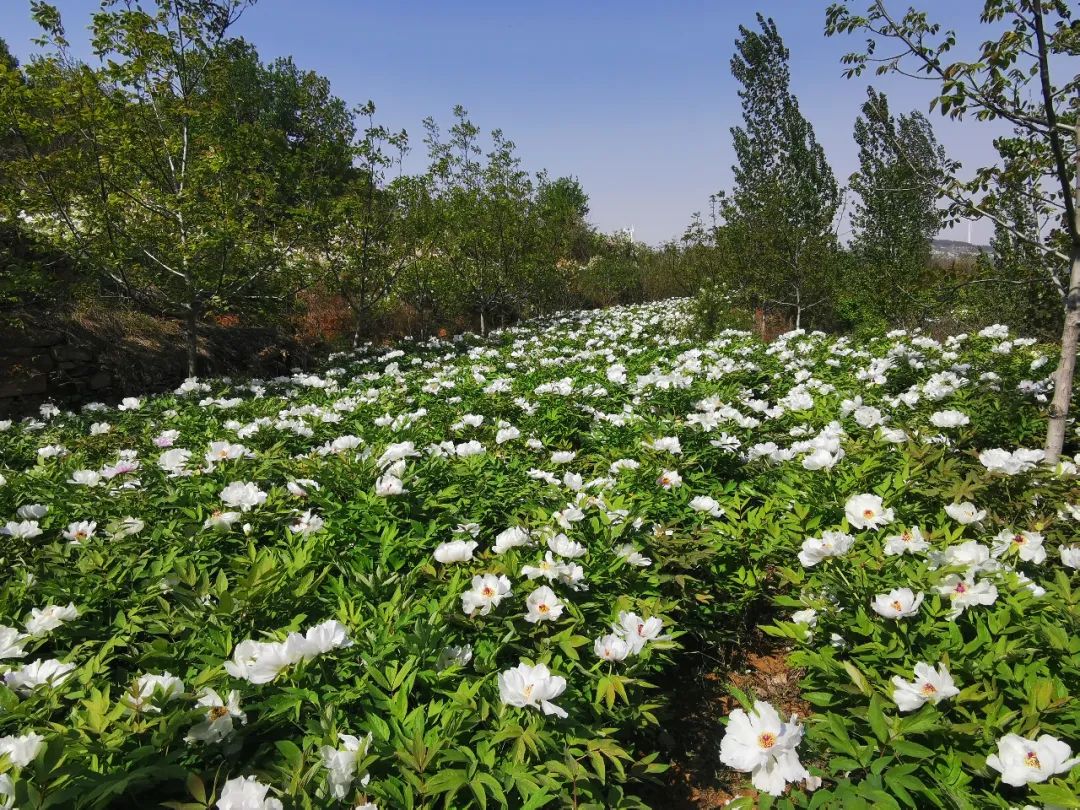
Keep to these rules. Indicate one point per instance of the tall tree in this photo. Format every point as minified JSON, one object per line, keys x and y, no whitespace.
{"x":374,"y":228}
{"x":895,"y":214}
{"x":1021,"y":76}
{"x":186,"y":166}
{"x":486,"y":216}
{"x":782,"y":209}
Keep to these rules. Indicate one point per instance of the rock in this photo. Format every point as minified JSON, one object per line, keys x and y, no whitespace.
{"x":31,"y":337}
{"x":26,"y":366}
{"x":102,"y":379}
{"x":72,"y":354}
{"x":37,"y":384}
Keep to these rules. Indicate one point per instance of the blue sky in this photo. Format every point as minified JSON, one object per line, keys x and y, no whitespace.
{"x":635,"y":98}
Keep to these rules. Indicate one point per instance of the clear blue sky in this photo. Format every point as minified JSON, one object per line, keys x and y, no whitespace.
{"x":635,"y":98}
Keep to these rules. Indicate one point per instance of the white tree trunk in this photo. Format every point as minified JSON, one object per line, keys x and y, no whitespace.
{"x":1070,"y":333}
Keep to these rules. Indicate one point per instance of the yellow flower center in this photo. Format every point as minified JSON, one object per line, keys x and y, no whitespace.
{"x":1019,"y":539}
{"x":895,"y":605}
{"x":868,"y":513}
{"x":542,"y":608}
{"x":766,"y":740}
{"x":928,"y":689}
{"x":217,"y":712}
{"x":1032,"y":760}
{"x":487,"y":591}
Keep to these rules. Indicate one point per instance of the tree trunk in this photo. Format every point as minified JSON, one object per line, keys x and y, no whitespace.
{"x":192,"y":330}
{"x":483,"y":330}
{"x":1070,"y":332}
{"x":1063,"y":377}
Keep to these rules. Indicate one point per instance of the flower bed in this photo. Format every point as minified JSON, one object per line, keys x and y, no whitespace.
{"x":450,"y":574}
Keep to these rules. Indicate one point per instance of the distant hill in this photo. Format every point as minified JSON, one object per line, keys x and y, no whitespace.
{"x":955,"y":249}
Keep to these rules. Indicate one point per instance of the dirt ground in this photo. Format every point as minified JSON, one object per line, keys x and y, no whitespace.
{"x":691,"y":730}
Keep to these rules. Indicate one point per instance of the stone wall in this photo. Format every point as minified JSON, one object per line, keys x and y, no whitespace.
{"x":42,"y":364}
{"x":70,"y":364}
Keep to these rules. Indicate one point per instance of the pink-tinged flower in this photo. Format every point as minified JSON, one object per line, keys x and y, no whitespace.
{"x":965,"y":592}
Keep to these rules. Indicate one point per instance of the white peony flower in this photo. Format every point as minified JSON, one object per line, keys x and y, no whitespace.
{"x":80,"y":531}
{"x":21,"y":750}
{"x":85,"y":478}
{"x":612,"y":647}
{"x":220,"y":715}
{"x":243,"y":495}
{"x":221,"y":521}
{"x":949,"y":419}
{"x":486,"y":592}
{"x":48,"y":618}
{"x":1021,"y":761}
{"x":909,"y":541}
{"x":965,"y":592}
{"x":341,"y":764}
{"x":669,"y":479}
{"x":867,"y":512}
{"x":48,"y":672}
{"x":632,"y":555}
{"x":830,"y":544}
{"x":638,"y":631}
{"x":388,"y":485}
{"x":930,"y":686}
{"x":1028,"y":546}
{"x":897,"y":604}
{"x":246,"y":793}
{"x":703,"y":503}
{"x":149,"y":691}
{"x":542,"y":605}
{"x":534,"y":686}
{"x":513,"y":537}
{"x":764,"y":746}
{"x":965,"y":512}
{"x":12,"y":643}
{"x":22,"y":530}
{"x":565,"y":547}
{"x":455,"y":551}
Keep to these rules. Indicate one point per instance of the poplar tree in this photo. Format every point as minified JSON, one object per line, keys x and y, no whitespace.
{"x":781,"y":211}
{"x":895,"y":214}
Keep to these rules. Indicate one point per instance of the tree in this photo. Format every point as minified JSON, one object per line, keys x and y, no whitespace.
{"x":781,"y":212}
{"x":895,"y":214}
{"x":1012,"y":80}
{"x":561,"y":243}
{"x":375,"y":227}
{"x":181,"y":167}
{"x":486,"y":218}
